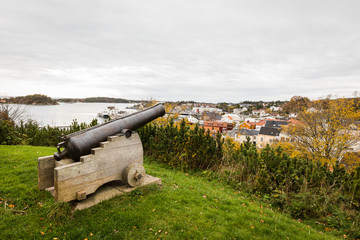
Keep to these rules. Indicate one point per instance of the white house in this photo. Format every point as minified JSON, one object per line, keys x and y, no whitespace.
{"x":192,"y":120}
{"x":201,"y":110}
{"x":259,"y":113}
{"x":243,"y":134}
{"x":238,"y":111}
{"x":292,"y":115}
{"x":231,"y":118}
{"x":275,"y":109}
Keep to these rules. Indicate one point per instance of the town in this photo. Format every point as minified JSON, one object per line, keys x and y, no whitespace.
{"x":261,"y":123}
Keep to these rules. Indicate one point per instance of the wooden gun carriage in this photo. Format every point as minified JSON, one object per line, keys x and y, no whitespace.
{"x":107,"y":152}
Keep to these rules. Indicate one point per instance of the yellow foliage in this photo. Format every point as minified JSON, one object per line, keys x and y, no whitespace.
{"x":350,"y":161}
{"x":170,"y":114}
{"x":326,"y":130}
{"x":288,"y":148}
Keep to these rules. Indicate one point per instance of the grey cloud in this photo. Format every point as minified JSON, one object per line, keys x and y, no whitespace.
{"x":177,"y":50}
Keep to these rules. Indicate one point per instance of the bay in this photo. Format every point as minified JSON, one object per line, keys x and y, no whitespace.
{"x":63,"y":114}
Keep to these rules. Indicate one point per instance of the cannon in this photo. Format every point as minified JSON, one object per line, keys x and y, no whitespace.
{"x":80,"y":143}
{"x":88,"y":159}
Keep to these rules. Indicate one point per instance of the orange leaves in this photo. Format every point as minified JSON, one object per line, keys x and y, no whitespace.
{"x":158,"y":232}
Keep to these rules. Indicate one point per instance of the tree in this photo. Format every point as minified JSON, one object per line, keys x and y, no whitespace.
{"x":12,"y":113}
{"x":327,"y":131}
{"x":296,"y":104}
{"x":170,"y":114}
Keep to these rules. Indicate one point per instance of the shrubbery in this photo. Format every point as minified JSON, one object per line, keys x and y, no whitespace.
{"x":31,"y":133}
{"x":181,"y":146}
{"x":300,"y":187}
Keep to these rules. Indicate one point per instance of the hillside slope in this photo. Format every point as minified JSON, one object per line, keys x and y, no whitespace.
{"x":185,"y":207}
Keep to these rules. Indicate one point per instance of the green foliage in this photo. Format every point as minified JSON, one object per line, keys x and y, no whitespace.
{"x":300,"y":187}
{"x":37,"y":99}
{"x":8,"y":134}
{"x":31,"y":133}
{"x":106,"y":99}
{"x":185,"y":207}
{"x":182,"y":146}
{"x":60,"y":211}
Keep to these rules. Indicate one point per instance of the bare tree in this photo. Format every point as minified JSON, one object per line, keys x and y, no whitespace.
{"x":355,"y":94}
{"x":12,"y":113}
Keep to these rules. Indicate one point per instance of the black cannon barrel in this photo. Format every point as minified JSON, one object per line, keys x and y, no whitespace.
{"x":80,"y":143}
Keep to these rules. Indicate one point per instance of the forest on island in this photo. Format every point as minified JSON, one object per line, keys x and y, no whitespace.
{"x":36,"y":99}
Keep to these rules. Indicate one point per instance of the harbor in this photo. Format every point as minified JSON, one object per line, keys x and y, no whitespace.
{"x":64,"y":114}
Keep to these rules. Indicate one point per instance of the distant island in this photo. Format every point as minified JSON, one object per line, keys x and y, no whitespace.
{"x":106,"y":100}
{"x":96,"y":100}
{"x":39,"y":99}
{"x":35,"y":99}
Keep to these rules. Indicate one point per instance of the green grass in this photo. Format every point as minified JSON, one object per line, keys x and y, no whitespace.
{"x":185,"y":207}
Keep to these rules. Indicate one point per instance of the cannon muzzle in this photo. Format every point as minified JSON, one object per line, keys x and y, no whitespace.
{"x":80,"y":143}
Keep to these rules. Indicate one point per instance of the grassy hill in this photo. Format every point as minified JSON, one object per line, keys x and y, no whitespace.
{"x":185,"y":207}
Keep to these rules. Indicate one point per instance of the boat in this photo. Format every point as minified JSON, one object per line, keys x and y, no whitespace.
{"x":107,"y":112}
{"x":113,"y":113}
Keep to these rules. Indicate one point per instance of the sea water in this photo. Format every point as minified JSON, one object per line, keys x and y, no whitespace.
{"x":62,"y":115}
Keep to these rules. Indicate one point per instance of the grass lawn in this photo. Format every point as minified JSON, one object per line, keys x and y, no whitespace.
{"x":185,"y":207}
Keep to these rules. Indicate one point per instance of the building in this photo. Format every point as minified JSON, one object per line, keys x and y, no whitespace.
{"x":260,"y":113}
{"x":275,"y":109}
{"x":238,"y":111}
{"x":275,"y":123}
{"x":292,"y":115}
{"x":215,"y":127}
{"x":231,"y":118}
{"x":211,"y":116}
{"x":260,"y":124}
{"x":247,"y":125}
{"x":201,"y":110}
{"x":267,"y":135}
{"x":243,"y":134}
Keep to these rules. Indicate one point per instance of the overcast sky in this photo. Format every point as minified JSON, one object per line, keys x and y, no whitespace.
{"x":199,"y":50}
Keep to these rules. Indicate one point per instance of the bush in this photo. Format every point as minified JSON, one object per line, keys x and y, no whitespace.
{"x":182,"y":147}
{"x":8,"y":134}
{"x":32,"y":134}
{"x":298,"y":186}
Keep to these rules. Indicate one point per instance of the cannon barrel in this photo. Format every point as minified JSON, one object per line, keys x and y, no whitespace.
{"x":80,"y":143}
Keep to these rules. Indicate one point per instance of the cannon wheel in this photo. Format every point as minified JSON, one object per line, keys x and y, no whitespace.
{"x":134,"y":174}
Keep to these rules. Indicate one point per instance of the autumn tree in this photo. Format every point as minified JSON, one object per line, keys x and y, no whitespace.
{"x":296,"y":104}
{"x":170,"y":113}
{"x":326,"y":131}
